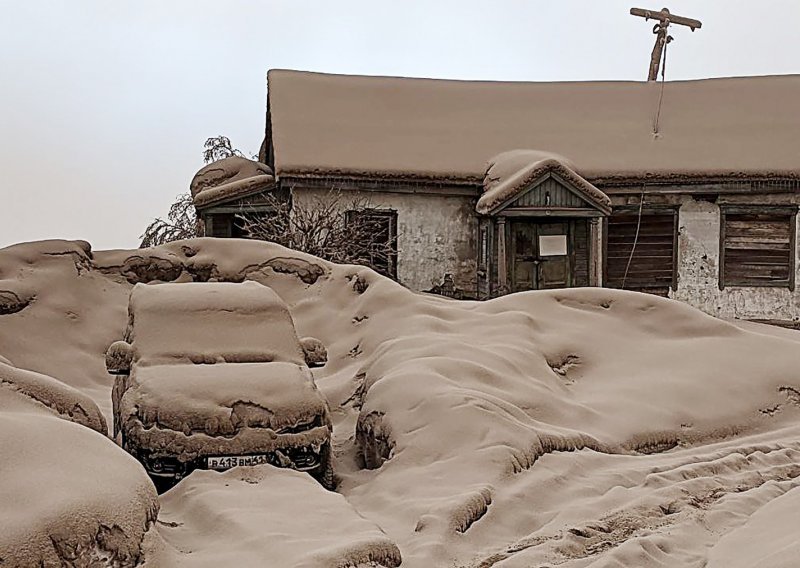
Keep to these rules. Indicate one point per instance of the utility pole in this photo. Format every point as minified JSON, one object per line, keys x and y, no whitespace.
{"x":662,"y":37}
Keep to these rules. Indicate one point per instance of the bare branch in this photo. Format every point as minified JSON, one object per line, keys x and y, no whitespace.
{"x":217,"y":148}
{"x":181,"y":223}
{"x":350,"y":231}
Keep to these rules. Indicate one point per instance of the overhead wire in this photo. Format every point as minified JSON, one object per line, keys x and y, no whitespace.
{"x":635,"y":238}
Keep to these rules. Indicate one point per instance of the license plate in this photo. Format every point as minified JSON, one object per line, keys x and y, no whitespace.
{"x":227,"y":462}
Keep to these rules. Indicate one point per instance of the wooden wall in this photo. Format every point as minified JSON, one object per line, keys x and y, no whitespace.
{"x":641,"y":253}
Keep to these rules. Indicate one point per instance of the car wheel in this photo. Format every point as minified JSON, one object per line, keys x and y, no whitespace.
{"x":163,"y":484}
{"x":324,"y":473}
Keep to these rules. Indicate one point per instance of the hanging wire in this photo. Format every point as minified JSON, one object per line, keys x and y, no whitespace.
{"x":635,"y":238}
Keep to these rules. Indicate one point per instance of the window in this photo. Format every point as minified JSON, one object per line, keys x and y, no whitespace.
{"x":641,"y":254}
{"x":218,"y":225}
{"x":757,"y":246}
{"x":224,"y":225}
{"x":374,"y":234}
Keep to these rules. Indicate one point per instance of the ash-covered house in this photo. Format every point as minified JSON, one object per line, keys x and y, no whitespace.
{"x":492,"y":187}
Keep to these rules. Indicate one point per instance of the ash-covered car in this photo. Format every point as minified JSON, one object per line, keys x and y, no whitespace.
{"x":213,"y":375}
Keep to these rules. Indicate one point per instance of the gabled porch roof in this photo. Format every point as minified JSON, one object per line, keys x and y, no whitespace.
{"x":511,"y":175}
{"x":230,"y":179}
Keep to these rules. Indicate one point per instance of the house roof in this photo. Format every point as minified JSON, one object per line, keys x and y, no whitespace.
{"x":229,"y":178}
{"x":512,"y":173}
{"x":392,"y":127}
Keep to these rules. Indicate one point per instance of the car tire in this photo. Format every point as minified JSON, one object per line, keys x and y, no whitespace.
{"x":324,"y":473}
{"x":163,"y":484}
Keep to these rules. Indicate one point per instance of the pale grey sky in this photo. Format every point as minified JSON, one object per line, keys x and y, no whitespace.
{"x":105,"y":104}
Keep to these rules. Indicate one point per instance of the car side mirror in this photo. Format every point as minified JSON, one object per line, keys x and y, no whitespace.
{"x":314,"y":351}
{"x":118,"y":358}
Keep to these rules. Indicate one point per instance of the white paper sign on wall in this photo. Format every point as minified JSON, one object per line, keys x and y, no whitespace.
{"x":552,"y":245}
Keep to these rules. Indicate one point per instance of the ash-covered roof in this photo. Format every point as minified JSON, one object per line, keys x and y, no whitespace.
{"x":425,"y":128}
{"x":511,"y":173}
{"x":229,"y":178}
{"x":211,"y":321}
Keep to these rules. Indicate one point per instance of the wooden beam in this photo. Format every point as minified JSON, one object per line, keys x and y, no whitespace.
{"x":663,"y":15}
{"x":721,"y":262}
{"x":502,"y":261}
{"x":239,"y":209}
{"x":661,"y":29}
{"x":544,"y":212}
{"x":595,"y":252}
{"x":792,"y":251}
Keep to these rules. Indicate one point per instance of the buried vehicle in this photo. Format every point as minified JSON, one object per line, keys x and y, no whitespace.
{"x":213,"y":375}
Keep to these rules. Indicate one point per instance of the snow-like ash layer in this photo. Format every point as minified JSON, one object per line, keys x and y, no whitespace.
{"x":262,"y":513}
{"x":69,"y":496}
{"x":757,"y":544}
{"x":447,"y":130}
{"x":227,"y":408}
{"x":63,"y":400}
{"x":225,"y":171}
{"x":229,"y":178}
{"x":567,"y":427}
{"x":199,"y":397}
{"x":215,"y":322}
{"x":512,"y":172}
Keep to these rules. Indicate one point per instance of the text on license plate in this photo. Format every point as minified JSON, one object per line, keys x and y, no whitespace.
{"x":227,"y":462}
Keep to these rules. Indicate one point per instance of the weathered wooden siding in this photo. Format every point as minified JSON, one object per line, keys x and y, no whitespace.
{"x":757,"y":249}
{"x":643,"y":263}
{"x":549,"y":193}
{"x":580,"y":239}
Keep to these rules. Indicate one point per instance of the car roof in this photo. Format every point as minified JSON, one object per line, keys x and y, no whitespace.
{"x":204,"y":296}
{"x":208,"y":322}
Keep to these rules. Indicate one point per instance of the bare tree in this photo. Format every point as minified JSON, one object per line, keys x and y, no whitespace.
{"x":330,"y":226}
{"x":343,"y":230}
{"x":181,"y":223}
{"x":218,"y":148}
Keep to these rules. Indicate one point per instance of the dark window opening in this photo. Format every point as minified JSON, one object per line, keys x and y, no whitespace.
{"x":224,"y":225}
{"x":645,"y":262}
{"x":757,"y":247}
{"x":374,"y":238}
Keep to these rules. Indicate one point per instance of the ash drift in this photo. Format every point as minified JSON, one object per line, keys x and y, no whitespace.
{"x":212,"y":375}
{"x":572,"y":428}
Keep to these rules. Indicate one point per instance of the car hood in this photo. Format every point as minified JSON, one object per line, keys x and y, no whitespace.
{"x":222,"y":399}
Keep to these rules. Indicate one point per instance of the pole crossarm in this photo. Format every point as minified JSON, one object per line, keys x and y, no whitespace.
{"x":665,"y":18}
{"x":665,"y":15}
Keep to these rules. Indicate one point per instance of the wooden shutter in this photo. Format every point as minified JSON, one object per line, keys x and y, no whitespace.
{"x":580,"y":271}
{"x":652,"y":265}
{"x":757,"y":248}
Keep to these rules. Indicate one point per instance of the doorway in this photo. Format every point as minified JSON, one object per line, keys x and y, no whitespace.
{"x":541,"y":255}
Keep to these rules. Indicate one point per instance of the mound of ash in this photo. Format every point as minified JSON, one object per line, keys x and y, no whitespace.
{"x":565,"y":426}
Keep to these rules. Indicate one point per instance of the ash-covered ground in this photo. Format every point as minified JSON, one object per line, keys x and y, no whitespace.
{"x":575,"y":428}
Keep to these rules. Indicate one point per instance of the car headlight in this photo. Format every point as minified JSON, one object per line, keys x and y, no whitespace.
{"x":302,"y":426}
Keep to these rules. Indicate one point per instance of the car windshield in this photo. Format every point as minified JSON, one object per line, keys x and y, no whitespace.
{"x":212,"y":323}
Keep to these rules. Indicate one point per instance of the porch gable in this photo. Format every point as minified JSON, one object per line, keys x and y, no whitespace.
{"x":529,"y":182}
{"x":552,"y":195}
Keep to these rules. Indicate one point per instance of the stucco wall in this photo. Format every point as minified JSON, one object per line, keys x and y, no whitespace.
{"x":698,"y":272}
{"x":436,"y":235}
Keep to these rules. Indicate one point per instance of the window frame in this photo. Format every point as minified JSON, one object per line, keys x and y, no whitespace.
{"x":655,"y":209}
{"x":391,"y":214}
{"x":788,"y":212}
